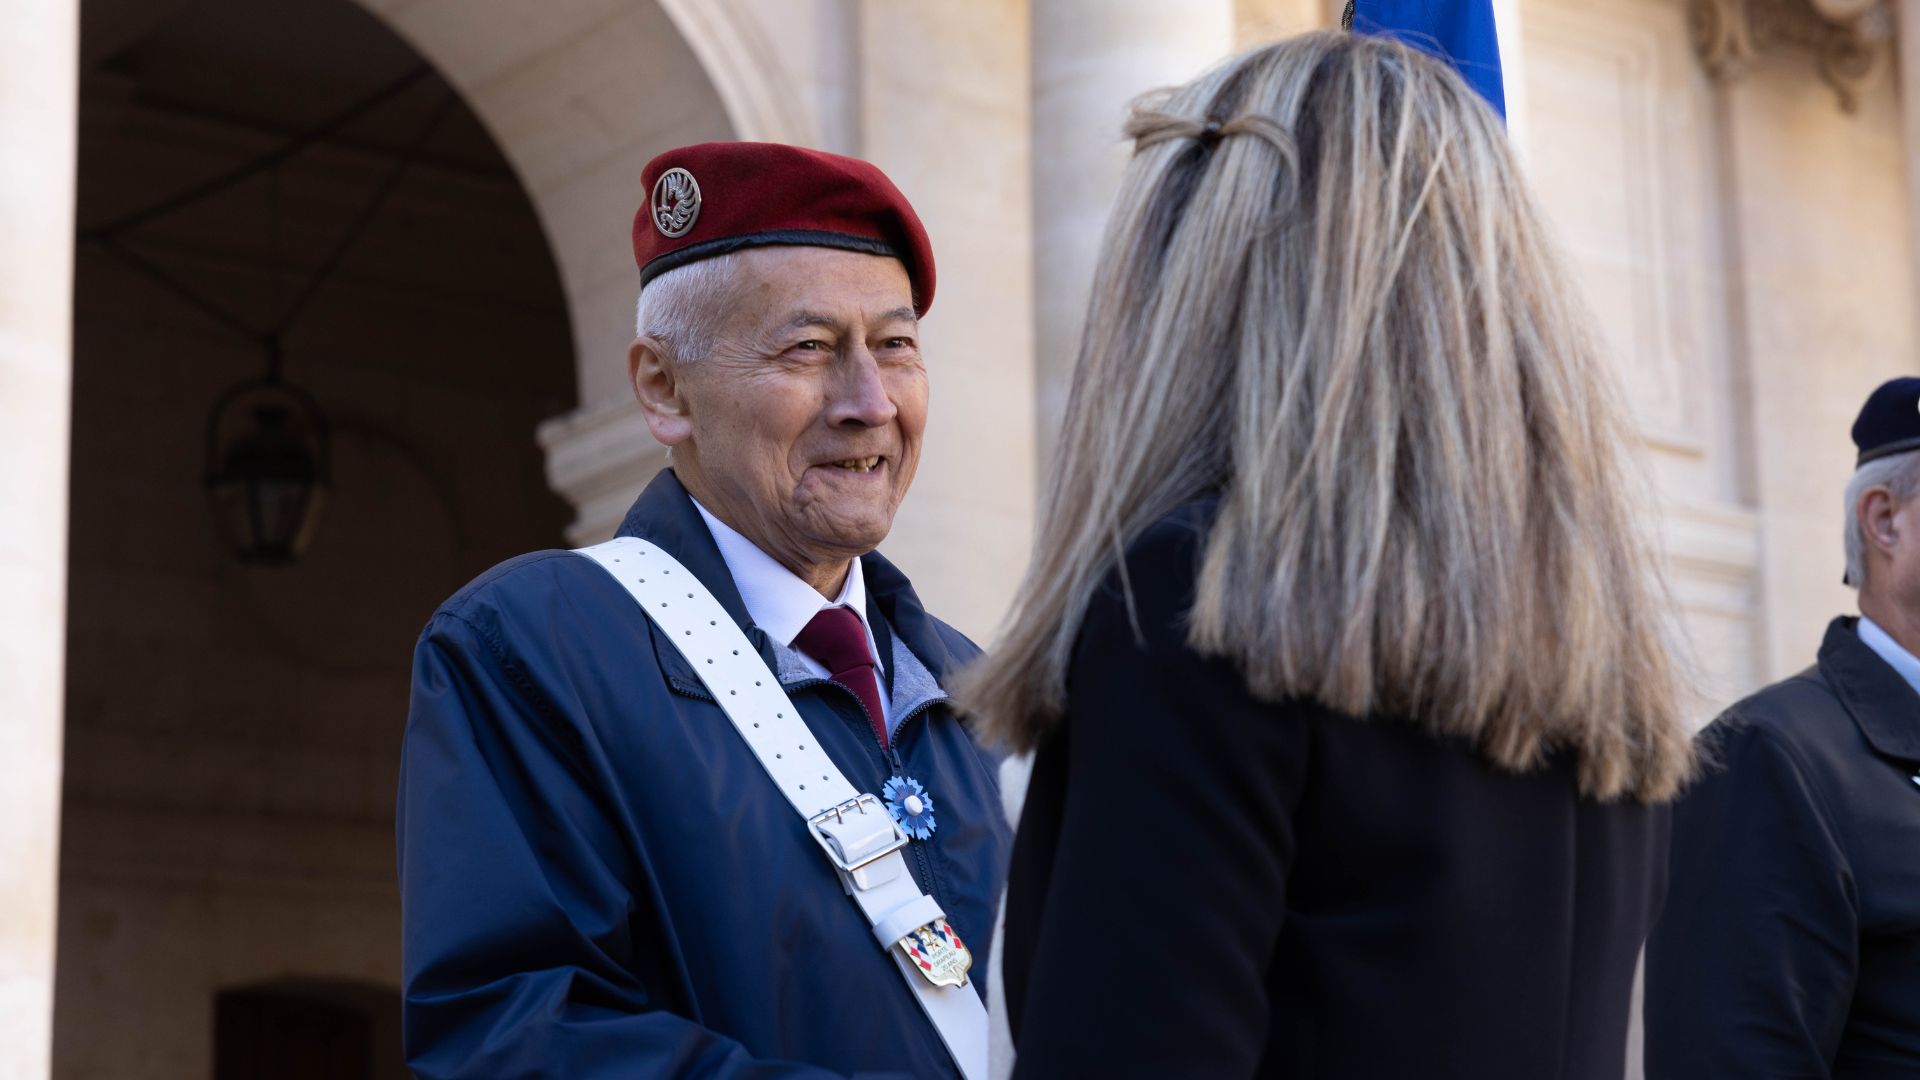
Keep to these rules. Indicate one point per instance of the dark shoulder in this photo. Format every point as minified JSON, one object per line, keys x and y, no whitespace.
{"x":1176,"y":540}
{"x":1153,"y":585}
{"x":1790,"y":713}
{"x":1782,"y":730}
{"x":522,"y":576}
{"x":516,"y":586}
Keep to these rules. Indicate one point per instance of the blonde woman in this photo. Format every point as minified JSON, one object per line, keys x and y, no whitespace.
{"x":1345,"y":660}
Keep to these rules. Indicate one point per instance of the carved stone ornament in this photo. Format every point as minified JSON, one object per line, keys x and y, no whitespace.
{"x":1846,"y":37}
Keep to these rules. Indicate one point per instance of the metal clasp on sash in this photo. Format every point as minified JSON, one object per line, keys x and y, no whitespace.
{"x":830,"y":830}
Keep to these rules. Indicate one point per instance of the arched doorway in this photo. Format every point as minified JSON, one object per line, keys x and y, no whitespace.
{"x":579,"y":94}
{"x":294,"y":174}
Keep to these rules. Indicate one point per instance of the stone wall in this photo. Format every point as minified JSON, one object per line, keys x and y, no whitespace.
{"x":1744,"y":244}
{"x":232,"y":730}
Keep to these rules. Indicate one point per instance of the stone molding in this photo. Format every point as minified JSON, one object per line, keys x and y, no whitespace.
{"x":598,"y":459}
{"x":1847,"y":38}
{"x":1714,"y":556}
{"x":1714,"y":542}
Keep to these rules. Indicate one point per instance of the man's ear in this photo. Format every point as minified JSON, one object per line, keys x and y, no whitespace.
{"x":1879,"y":523}
{"x":657,"y":387}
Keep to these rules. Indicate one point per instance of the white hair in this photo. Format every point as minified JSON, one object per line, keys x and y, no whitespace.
{"x":679,"y":308}
{"x":1899,"y":474}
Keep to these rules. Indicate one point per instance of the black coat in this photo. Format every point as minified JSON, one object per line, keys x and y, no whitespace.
{"x":1790,"y":946}
{"x":1207,"y":885}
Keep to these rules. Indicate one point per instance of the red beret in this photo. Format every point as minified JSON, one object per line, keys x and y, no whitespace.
{"x":713,"y":198}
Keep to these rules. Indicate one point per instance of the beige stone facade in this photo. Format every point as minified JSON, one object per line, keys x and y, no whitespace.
{"x":222,"y":807}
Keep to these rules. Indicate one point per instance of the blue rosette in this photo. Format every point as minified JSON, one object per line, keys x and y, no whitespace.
{"x":910,"y":805}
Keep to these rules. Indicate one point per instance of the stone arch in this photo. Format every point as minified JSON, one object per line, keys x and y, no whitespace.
{"x":310,"y":1026}
{"x":579,"y":94}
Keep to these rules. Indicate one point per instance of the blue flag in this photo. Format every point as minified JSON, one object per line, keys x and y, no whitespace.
{"x":1458,"y":31}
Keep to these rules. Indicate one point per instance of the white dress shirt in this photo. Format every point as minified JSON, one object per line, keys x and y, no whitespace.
{"x":1891,"y":651}
{"x":782,"y":605}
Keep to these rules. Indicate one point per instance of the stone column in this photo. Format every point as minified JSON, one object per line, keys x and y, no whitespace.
{"x":1908,"y":16}
{"x":944,"y":110}
{"x":38,"y":113}
{"x":1090,"y":58}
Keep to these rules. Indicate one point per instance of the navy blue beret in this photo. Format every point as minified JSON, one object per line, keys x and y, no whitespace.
{"x":1890,"y":421}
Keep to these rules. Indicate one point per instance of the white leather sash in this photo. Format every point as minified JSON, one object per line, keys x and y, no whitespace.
{"x":852,"y":827}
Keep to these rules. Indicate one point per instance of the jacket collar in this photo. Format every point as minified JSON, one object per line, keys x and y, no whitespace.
{"x":1880,"y":701}
{"x":892,"y":594}
{"x":665,"y":515}
{"x":910,"y":683}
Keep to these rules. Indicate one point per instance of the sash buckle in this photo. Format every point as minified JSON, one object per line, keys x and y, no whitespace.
{"x":857,"y":834}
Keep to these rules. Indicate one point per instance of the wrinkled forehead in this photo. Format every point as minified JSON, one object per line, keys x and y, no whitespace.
{"x":777,"y":287}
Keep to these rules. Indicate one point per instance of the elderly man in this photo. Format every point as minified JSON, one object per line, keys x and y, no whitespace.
{"x":1790,"y":944}
{"x":692,"y":802}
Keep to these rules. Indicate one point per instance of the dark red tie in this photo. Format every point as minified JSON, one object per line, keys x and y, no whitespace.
{"x":838,"y":640}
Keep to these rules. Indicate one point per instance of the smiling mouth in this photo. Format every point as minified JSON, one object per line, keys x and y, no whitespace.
{"x":858,"y":465}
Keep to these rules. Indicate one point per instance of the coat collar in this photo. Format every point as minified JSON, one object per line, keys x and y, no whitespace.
{"x":889,"y":591}
{"x":665,"y":515}
{"x":1880,"y":701}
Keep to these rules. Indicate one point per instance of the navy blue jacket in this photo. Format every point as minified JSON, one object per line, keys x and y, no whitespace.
{"x":1790,"y":945}
{"x":598,"y":878}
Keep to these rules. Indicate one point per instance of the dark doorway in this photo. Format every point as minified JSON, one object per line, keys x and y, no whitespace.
{"x":255,"y":177}
{"x":307,"y":1031}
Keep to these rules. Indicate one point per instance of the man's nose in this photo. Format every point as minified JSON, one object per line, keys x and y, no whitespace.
{"x":859,"y":395}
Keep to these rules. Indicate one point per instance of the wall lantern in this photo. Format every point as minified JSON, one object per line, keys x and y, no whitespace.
{"x":267,"y":468}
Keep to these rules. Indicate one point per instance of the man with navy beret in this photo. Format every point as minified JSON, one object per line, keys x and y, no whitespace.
{"x":725,"y":823}
{"x":1790,"y":943}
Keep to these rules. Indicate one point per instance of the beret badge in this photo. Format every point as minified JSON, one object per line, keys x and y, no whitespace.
{"x":676,"y":202}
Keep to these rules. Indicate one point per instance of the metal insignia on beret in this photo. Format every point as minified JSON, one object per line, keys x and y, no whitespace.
{"x":676,"y":202}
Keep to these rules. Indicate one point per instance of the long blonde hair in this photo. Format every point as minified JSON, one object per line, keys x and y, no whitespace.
{"x":1326,"y":293}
